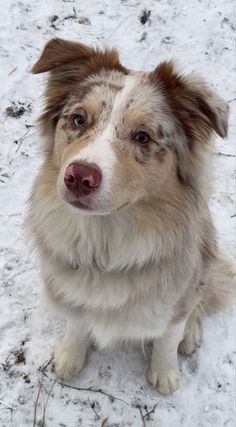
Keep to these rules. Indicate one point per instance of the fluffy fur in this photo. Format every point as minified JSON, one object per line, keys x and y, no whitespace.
{"x":141,"y":261}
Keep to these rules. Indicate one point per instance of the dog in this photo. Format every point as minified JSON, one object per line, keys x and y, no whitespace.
{"x":119,"y":210}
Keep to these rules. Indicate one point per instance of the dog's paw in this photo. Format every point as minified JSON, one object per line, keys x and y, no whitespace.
{"x":67,"y":364}
{"x":166,"y":382}
{"x":192,"y":338}
{"x":191,"y":342}
{"x":188,"y":346}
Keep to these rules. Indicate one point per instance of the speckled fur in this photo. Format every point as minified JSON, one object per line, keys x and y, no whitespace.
{"x":145,"y":265}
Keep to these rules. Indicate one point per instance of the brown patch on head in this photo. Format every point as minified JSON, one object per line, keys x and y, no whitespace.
{"x":198,"y":109}
{"x":196,"y":112}
{"x":69,"y":64}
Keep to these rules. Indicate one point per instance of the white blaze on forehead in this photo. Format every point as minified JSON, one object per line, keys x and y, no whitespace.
{"x":131,"y":83}
{"x":100,"y":151}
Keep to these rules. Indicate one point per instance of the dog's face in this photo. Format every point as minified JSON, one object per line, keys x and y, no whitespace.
{"x":110,"y":142}
{"x":117,"y":136}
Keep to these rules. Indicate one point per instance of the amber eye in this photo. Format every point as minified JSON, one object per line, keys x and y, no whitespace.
{"x":78,"y":121}
{"x":141,"y":137}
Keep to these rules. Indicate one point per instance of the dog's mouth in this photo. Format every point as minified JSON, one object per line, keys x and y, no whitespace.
{"x":80,"y":205}
{"x":89,"y":207}
{"x":90,"y":204}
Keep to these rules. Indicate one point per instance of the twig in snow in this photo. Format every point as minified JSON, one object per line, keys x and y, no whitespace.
{"x":12,"y":71}
{"x":46,"y":404}
{"x":142,"y":416}
{"x":224,"y":154}
{"x":29,"y":126}
{"x":104,"y":422}
{"x":37,"y":399}
{"x":22,"y":139}
{"x":94,"y":390}
{"x":45,"y":365}
{"x":92,"y":404}
{"x":151,"y":412}
{"x":42,"y":370}
{"x":231,"y":100}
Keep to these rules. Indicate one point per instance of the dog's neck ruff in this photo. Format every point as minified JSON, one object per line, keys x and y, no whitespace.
{"x":76,"y":265}
{"x":109,"y":243}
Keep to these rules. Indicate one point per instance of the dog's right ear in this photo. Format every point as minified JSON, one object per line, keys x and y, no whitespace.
{"x":59,"y":52}
{"x":69,"y":63}
{"x":65,"y":55}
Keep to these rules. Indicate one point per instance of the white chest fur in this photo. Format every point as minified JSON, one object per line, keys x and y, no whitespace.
{"x":113,"y":306}
{"x":121,"y":290}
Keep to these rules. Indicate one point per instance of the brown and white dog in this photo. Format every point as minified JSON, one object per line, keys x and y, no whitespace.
{"x":119,"y":210}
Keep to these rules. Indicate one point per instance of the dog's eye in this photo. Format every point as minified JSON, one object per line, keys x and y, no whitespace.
{"x":141,"y":137}
{"x":78,"y":121}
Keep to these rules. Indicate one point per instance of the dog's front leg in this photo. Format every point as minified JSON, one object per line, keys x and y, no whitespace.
{"x":70,"y":354}
{"x":164,"y":370}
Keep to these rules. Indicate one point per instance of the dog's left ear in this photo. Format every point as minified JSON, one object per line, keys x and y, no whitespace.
{"x":198,"y":108}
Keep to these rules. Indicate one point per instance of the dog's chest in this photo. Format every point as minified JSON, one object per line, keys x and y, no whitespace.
{"x":115,"y":287}
{"x":114,"y":306}
{"x":137,"y":323}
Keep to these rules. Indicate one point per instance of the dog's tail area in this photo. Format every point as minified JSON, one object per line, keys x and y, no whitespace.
{"x":217,"y":289}
{"x":217,"y":293}
{"x":218,"y":286}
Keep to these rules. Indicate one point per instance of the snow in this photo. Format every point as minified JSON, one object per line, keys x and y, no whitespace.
{"x":200,"y":35}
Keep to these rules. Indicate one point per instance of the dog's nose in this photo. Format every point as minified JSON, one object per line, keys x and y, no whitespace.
{"x":82,"y":178}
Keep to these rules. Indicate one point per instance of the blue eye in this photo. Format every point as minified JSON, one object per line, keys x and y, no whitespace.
{"x":141,"y":137}
{"x":78,"y":121}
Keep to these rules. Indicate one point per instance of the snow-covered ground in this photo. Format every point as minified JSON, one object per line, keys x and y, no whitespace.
{"x":201,"y":36}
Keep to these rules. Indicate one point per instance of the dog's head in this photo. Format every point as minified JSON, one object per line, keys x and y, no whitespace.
{"x":118,"y":136}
